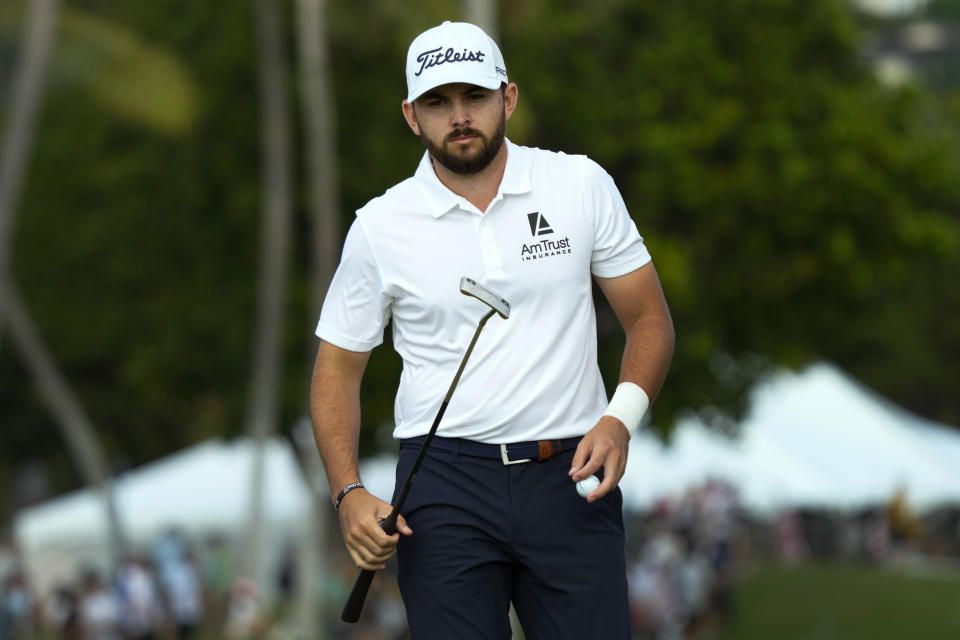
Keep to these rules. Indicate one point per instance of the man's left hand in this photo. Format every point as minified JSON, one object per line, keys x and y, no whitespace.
{"x":605,"y":445}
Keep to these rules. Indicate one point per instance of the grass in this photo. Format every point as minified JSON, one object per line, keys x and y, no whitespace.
{"x":826,"y":602}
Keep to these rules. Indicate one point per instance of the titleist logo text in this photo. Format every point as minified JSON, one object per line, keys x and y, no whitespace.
{"x":434,"y":57}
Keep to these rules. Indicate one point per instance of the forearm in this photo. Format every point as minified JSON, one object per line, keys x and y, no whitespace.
{"x":648,"y":351}
{"x":335,"y":413}
{"x":638,"y":301}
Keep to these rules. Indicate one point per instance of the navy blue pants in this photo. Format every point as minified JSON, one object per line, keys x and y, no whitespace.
{"x":486,"y":535}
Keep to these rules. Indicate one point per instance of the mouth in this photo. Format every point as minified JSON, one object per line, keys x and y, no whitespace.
{"x":462,"y":137}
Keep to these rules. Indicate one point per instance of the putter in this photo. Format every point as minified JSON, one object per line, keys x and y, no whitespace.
{"x":353,"y":607}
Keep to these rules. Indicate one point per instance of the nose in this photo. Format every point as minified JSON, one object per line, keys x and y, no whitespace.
{"x":459,"y":113}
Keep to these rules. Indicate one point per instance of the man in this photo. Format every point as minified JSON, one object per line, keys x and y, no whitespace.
{"x":481,"y":529}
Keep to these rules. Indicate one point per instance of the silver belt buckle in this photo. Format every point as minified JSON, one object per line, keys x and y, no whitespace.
{"x":506,"y":459}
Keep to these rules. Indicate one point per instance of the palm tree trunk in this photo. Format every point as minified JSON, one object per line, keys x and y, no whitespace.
{"x":262,"y":410}
{"x":27,"y":92}
{"x":483,"y":13}
{"x":28,"y":83}
{"x":319,"y":112}
{"x":309,"y":612}
{"x":317,"y":106}
{"x":76,"y":427}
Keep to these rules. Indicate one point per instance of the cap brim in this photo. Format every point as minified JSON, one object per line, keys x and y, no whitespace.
{"x":486,"y":83}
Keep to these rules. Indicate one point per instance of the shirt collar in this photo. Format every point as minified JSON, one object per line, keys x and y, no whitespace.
{"x":440,"y":200}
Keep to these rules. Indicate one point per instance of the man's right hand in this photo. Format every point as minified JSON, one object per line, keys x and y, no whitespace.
{"x":360,"y":515}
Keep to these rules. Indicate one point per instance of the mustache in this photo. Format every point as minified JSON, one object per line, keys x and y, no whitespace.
{"x":466,"y":131}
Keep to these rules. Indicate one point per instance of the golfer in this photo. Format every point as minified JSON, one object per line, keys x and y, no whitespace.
{"x":494,"y":516}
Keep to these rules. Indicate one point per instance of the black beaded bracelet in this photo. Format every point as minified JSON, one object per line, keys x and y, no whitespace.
{"x":347,"y":489}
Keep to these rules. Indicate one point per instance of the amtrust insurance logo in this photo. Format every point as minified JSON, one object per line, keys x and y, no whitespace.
{"x":544,"y":248}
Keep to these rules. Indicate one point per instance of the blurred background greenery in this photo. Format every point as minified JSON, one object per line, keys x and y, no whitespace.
{"x":798,"y":207}
{"x":792,"y":166}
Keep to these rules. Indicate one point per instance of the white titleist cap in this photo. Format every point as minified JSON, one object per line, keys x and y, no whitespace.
{"x":453,"y":52}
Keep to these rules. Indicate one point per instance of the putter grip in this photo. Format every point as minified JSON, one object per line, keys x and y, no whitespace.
{"x":361,"y":586}
{"x":353,"y":607}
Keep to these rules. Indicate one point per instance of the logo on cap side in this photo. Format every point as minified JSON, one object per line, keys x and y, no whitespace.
{"x":433,"y":58}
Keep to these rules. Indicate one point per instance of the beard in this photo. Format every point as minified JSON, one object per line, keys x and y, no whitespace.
{"x":466,"y":164}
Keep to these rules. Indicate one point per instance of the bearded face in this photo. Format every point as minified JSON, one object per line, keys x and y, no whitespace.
{"x":466,"y":158}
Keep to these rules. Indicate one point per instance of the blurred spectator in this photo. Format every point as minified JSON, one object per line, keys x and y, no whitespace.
{"x":17,"y":607}
{"x":386,"y":608}
{"x":719,"y":512}
{"x":245,"y":617}
{"x":60,"y":613}
{"x":694,"y":584}
{"x":791,"y":543}
{"x":140,"y":612}
{"x":905,"y":524}
{"x":287,"y":574}
{"x":219,"y":571}
{"x":98,"y":609}
{"x":168,"y":552}
{"x":877,"y":537}
{"x":683,"y":575}
{"x":653,"y":589}
{"x":184,"y":596}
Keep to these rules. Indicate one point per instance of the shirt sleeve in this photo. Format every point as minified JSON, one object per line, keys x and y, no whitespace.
{"x":356,"y":309}
{"x":618,"y":247}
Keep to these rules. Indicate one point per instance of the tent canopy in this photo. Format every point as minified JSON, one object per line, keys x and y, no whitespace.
{"x":202,"y":490}
{"x":816,"y":438}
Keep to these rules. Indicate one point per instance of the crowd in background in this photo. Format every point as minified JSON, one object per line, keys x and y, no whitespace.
{"x":166,"y":594}
{"x":685,"y":557}
{"x":182,"y":589}
{"x":683,"y":561}
{"x":688,"y":554}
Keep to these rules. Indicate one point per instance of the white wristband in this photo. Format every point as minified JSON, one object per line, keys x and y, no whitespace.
{"x":628,"y":404}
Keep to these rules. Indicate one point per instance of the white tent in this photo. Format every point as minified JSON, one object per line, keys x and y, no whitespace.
{"x":816,"y":438}
{"x":202,"y":490}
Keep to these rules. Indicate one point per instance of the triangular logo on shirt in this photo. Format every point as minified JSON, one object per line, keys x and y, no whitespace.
{"x":538,"y":224}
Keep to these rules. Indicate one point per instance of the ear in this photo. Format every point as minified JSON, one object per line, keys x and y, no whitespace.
{"x":410,"y":117}
{"x":510,"y":96}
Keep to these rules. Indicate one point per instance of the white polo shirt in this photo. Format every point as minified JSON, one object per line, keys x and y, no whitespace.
{"x":556,"y":220}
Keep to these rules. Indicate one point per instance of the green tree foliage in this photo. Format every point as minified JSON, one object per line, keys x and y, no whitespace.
{"x":136,"y":243}
{"x":943,"y":10}
{"x":795,"y":209}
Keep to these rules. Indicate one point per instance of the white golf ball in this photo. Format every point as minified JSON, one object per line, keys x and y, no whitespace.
{"x":588,"y":484}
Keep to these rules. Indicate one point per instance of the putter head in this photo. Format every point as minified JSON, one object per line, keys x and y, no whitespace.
{"x":471,"y":287}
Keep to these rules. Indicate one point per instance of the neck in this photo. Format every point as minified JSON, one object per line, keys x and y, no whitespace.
{"x":479,"y":189}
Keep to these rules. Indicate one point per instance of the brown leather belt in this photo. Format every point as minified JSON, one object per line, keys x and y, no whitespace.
{"x":513,"y":453}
